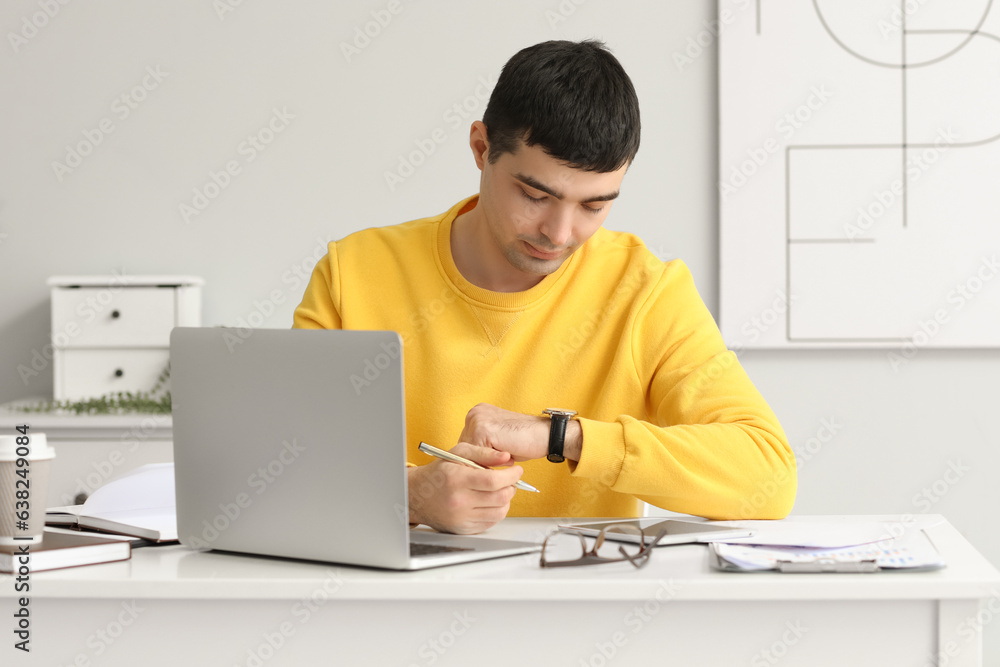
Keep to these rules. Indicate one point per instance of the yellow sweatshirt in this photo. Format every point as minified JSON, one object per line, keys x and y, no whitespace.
{"x":668,"y":414}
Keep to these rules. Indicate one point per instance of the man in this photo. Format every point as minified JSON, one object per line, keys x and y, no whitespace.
{"x":517,"y":300}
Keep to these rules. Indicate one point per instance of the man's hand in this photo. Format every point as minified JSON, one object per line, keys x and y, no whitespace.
{"x":522,"y":436}
{"x":455,"y":498}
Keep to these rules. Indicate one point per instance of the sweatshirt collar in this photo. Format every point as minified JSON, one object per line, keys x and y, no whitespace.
{"x":485,"y":297}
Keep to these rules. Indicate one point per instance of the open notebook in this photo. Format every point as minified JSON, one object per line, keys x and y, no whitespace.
{"x":140,"y":503}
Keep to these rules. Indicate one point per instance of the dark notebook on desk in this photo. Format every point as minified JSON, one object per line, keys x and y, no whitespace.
{"x":59,"y":550}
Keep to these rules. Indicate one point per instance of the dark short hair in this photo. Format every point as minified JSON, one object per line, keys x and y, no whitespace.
{"x":573,"y":99}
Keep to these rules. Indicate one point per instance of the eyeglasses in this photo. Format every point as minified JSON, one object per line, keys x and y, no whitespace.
{"x":567,"y":547}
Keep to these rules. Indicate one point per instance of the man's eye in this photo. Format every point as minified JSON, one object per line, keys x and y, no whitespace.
{"x":530,"y":198}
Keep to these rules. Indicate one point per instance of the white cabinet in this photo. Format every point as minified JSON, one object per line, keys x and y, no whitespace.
{"x":112,"y":333}
{"x":136,"y":316}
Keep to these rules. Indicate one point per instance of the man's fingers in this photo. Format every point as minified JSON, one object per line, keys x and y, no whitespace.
{"x":484,"y":456}
{"x":491,"y":516}
{"x":483,"y":480}
{"x":493,"y":499}
{"x":457,"y":498}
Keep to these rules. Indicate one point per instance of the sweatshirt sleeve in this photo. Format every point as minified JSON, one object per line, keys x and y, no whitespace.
{"x":320,"y":306}
{"x":711,"y":446}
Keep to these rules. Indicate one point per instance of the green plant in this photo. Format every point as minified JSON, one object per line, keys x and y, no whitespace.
{"x":154,"y":401}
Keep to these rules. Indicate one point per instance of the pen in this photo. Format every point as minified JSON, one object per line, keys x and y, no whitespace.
{"x":455,"y":458}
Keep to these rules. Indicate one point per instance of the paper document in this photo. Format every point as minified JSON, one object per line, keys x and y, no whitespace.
{"x":913,"y":551}
{"x":817,"y":534}
{"x":148,"y":487}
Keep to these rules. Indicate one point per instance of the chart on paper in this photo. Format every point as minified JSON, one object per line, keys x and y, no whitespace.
{"x":859,"y":173}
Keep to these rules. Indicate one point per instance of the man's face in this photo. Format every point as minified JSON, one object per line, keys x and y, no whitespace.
{"x":540,"y":210}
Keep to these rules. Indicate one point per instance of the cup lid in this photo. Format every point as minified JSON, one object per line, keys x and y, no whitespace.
{"x":38,"y":446}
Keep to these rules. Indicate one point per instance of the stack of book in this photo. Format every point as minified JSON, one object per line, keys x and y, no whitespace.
{"x":60,"y":549}
{"x":136,"y":509}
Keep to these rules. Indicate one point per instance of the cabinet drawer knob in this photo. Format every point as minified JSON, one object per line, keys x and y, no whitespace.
{"x":119,"y":372}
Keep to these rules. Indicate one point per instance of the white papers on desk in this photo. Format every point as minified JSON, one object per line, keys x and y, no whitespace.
{"x":910,"y":550}
{"x":816,"y":534}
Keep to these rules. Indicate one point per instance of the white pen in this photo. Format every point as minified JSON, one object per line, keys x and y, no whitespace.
{"x":455,"y":458}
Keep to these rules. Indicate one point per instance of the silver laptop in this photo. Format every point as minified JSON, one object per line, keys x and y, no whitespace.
{"x":291,"y":442}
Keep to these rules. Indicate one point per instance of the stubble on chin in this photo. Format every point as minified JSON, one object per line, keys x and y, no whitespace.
{"x":522,"y":261}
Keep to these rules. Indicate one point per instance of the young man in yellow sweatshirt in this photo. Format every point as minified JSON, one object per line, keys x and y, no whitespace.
{"x":517,"y":300}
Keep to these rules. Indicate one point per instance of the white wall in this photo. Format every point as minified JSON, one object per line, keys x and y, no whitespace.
{"x":897,"y":430}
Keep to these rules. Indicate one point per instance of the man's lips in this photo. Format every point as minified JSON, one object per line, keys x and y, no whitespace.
{"x":541,"y":254}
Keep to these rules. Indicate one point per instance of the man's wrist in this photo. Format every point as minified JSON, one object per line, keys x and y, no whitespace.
{"x":412,"y":474}
{"x":558,"y":419}
{"x":573,"y":445}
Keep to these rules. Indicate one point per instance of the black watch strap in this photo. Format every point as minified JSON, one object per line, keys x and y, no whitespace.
{"x":557,"y":432}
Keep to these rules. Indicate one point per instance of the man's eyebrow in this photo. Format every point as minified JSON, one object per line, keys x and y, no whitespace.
{"x":537,"y":185}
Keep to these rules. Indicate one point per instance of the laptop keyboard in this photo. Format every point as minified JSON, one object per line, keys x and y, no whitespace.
{"x":418,"y":549}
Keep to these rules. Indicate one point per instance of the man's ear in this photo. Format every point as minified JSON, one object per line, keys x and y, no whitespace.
{"x":479,"y":143}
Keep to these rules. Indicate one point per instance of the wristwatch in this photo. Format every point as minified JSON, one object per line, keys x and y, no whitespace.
{"x":557,"y":432}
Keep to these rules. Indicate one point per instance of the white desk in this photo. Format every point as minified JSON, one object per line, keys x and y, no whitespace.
{"x":174,"y":606}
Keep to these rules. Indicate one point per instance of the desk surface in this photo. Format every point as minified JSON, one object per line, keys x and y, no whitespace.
{"x":224,"y":609}
{"x":682,"y":572}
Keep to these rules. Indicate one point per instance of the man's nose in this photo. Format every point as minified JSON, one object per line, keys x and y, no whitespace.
{"x":558,"y":227}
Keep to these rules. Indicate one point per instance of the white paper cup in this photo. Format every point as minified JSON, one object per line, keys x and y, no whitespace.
{"x":23,"y":488}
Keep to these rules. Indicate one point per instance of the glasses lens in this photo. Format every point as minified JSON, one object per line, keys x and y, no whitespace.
{"x":560,"y":547}
{"x":619,"y":539}
{"x":614,"y":543}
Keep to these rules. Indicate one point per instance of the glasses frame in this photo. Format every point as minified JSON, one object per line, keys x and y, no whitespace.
{"x":590,"y":557}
